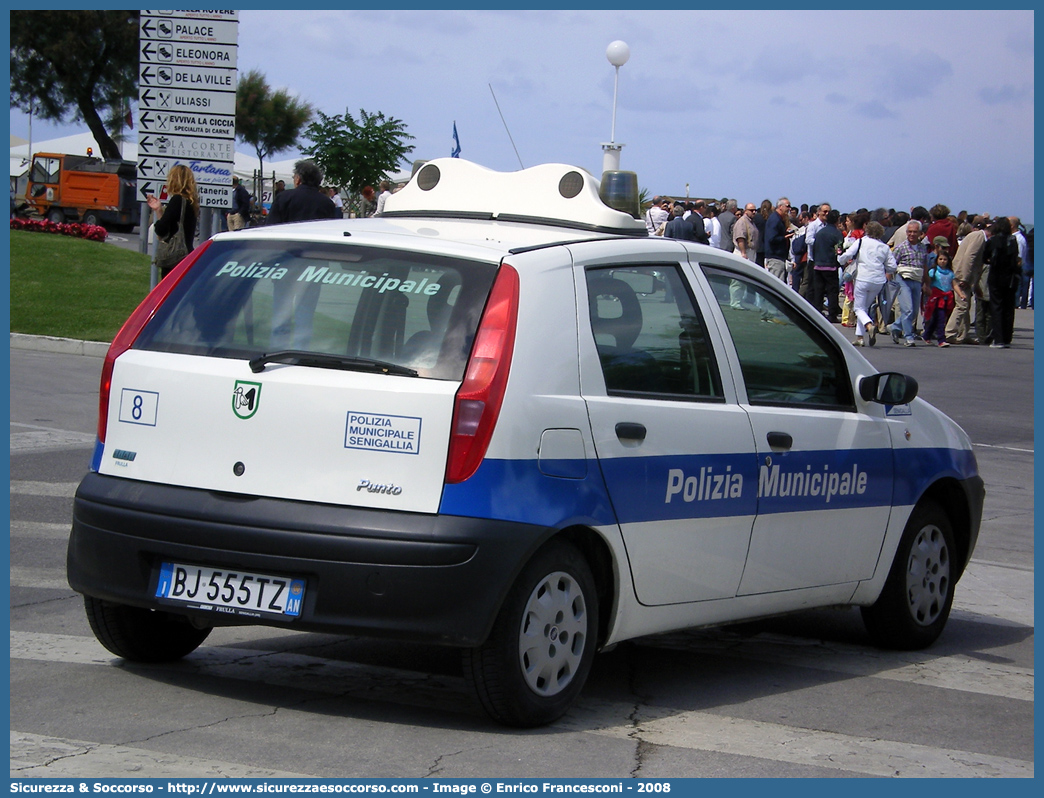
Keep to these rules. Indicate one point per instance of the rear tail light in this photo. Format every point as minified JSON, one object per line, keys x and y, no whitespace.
{"x":479,"y":397}
{"x":131,"y":328}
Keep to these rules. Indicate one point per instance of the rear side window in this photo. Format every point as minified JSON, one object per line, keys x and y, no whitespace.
{"x":650,"y":336}
{"x":247,"y":298}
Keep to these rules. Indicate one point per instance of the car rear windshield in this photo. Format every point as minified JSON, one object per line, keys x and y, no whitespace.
{"x":244,"y":299}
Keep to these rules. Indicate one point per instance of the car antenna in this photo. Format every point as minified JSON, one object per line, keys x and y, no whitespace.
{"x":505,"y":124}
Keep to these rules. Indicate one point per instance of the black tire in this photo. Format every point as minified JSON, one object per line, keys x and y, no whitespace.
{"x":90,"y":217}
{"x":56,"y":216}
{"x":915,"y":603}
{"x":539,"y":654}
{"x":141,"y":635}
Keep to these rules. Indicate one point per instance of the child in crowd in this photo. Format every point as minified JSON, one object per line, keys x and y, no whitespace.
{"x":939,"y":305}
{"x":853,"y":226}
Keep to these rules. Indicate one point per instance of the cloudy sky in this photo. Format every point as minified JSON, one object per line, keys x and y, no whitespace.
{"x":859,"y":108}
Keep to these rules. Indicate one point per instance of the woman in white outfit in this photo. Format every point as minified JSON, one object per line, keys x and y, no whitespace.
{"x":875,"y":266}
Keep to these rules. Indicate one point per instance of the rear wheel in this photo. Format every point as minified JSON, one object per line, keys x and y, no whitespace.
{"x":90,"y":217}
{"x":915,"y":604}
{"x":142,"y":635}
{"x":539,"y":654}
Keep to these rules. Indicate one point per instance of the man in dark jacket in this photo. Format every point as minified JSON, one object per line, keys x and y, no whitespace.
{"x":824,"y":266}
{"x":678,"y":226}
{"x":777,"y":239}
{"x":699,"y":228}
{"x":239,"y":216}
{"x":304,"y":201}
{"x":294,"y":302}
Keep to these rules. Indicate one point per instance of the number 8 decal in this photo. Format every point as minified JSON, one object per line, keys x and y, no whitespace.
{"x":139,"y":407}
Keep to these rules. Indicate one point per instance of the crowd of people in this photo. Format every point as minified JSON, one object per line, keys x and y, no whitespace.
{"x":914,"y":276}
{"x":923,"y":276}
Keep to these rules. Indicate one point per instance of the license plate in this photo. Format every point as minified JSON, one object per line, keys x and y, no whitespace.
{"x":233,"y":592}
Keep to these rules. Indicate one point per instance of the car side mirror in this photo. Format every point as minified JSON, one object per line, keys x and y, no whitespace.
{"x":888,"y":388}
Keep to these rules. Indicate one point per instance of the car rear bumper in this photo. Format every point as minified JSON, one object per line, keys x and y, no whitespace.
{"x":378,"y":573}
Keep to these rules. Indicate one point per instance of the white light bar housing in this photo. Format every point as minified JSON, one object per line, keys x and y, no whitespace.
{"x":554,"y":194}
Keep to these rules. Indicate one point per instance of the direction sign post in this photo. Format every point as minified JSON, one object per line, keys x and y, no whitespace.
{"x":187,"y":103}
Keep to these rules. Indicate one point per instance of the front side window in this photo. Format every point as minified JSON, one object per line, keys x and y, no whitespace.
{"x":248,"y":298}
{"x":649,"y":334}
{"x":784,"y":358}
{"x":45,"y":170}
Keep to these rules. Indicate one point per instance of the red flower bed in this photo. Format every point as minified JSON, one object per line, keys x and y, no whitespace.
{"x":92,"y":232}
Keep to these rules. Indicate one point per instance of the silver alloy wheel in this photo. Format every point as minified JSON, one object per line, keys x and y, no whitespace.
{"x":928,"y":575}
{"x":553,"y":634}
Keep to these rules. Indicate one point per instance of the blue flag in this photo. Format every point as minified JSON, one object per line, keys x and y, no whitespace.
{"x":456,"y":142}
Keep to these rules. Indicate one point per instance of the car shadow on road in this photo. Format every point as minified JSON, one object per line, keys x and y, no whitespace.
{"x":652,"y":677}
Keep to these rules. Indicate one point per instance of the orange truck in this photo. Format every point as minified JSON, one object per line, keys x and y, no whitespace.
{"x":79,"y":188}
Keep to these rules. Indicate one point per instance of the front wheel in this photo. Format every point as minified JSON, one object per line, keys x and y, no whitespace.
{"x":915,"y":603}
{"x":90,"y":218}
{"x":56,"y":216}
{"x":539,"y":654}
{"x":141,"y":635}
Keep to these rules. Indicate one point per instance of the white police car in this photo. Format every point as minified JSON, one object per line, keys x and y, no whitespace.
{"x":502,"y":418}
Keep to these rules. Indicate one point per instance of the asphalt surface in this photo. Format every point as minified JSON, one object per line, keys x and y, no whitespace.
{"x":801,"y":696}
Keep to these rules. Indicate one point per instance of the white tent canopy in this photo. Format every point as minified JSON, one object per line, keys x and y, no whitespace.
{"x":244,"y":166}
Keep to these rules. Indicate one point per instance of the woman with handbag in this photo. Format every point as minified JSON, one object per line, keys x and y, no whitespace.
{"x":176,"y":225}
{"x":874,"y":266}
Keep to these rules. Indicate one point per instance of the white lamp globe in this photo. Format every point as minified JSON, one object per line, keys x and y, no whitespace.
{"x":618,"y":52}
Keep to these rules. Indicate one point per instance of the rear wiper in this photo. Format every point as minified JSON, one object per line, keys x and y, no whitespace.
{"x":293,"y":357}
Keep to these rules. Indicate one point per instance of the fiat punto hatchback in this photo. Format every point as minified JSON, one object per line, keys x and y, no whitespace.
{"x":501,"y":417}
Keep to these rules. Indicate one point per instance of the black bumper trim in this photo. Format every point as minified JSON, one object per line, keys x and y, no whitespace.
{"x":975,"y":490}
{"x":410,"y":576}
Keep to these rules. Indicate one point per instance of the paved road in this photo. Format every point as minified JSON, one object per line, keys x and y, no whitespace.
{"x":798,"y":696}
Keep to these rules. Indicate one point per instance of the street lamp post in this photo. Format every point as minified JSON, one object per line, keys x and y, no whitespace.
{"x":618,"y":52}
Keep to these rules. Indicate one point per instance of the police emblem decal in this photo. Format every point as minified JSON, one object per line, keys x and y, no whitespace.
{"x":246,"y":396}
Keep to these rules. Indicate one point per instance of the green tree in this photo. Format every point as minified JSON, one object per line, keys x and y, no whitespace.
{"x":269,"y":121}
{"x":83,"y":63}
{"x":353,"y":154}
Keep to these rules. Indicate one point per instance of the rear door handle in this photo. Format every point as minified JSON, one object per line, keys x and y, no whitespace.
{"x":630,"y":431}
{"x":780,"y":440}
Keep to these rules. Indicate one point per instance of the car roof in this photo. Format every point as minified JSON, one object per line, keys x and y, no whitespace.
{"x":484,"y":240}
{"x":451,"y":203}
